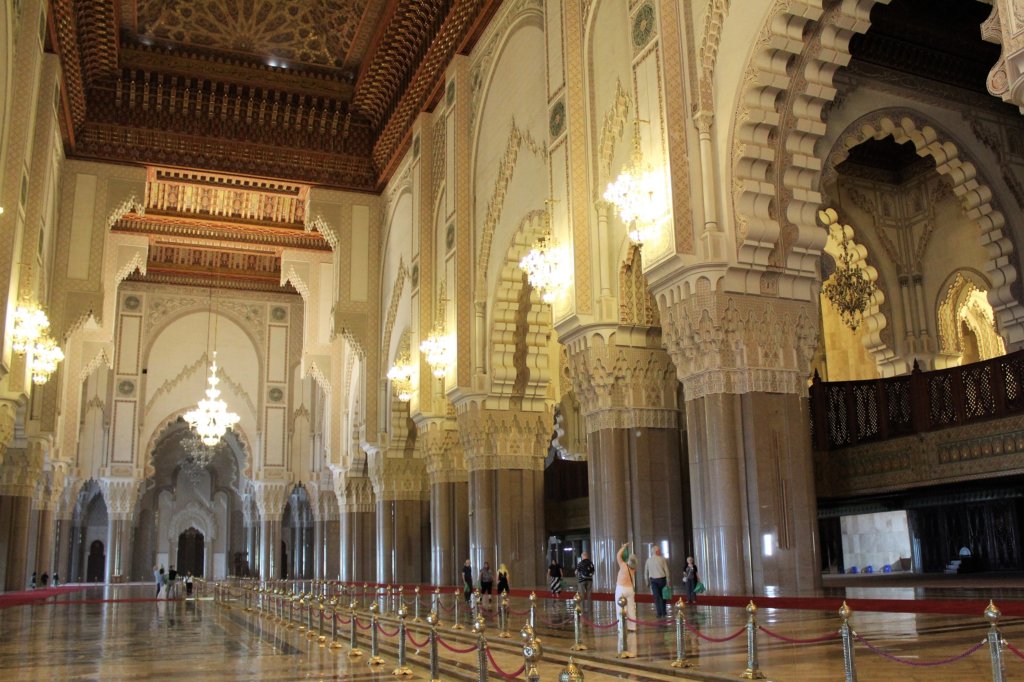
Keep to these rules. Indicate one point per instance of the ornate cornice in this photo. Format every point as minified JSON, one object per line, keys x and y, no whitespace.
{"x":271,"y":497}
{"x":503,"y":439}
{"x":399,"y":478}
{"x":120,"y":495}
{"x":439,"y":441}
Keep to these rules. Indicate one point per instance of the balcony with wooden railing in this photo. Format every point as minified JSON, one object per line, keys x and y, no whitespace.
{"x":925,"y":428}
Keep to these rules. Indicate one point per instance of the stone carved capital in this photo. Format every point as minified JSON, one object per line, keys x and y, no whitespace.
{"x":739,"y":343}
{"x":120,"y":494}
{"x":623,"y":385}
{"x":398,"y":478}
{"x":442,"y":450}
{"x":357,"y":495}
{"x":21,"y":472}
{"x":8,"y":411}
{"x":503,"y":439}
{"x":271,"y":496}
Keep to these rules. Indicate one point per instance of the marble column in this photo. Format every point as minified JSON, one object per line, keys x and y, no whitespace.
{"x":14,"y":522}
{"x":332,"y":547}
{"x":403,"y":517}
{"x":63,"y":538}
{"x":120,"y":495}
{"x":744,"y":373}
{"x":45,"y":531}
{"x":504,"y":452}
{"x":358,"y":528}
{"x":438,"y":438}
{"x":318,"y":549}
{"x":271,"y":497}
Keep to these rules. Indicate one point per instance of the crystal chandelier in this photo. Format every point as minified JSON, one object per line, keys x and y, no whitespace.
{"x":635,"y":194}
{"x":198,"y":455}
{"x":547,"y":268}
{"x":849,"y":289}
{"x":400,"y":375}
{"x":29,"y":337}
{"x":439,"y":347}
{"x":211,"y":419}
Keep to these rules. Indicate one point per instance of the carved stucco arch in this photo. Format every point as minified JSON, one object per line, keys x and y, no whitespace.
{"x":780,"y":117}
{"x":520,"y":366}
{"x":243,"y":459}
{"x":968,"y":185}
{"x":192,"y":516}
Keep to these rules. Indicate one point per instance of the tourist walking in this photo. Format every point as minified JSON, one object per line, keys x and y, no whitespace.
{"x":555,"y":578}
{"x":624,"y":584}
{"x":467,"y":580}
{"x":656,"y":570}
{"x":161,"y":590}
{"x":690,"y":579}
{"x":188,"y":584}
{"x":584,"y":576}
{"x":56,"y":579}
{"x":32,"y":581}
{"x":158,"y":577}
{"x":486,"y":582}
{"x":502,"y":579}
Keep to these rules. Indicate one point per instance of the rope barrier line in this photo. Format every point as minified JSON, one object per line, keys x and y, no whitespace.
{"x":1016,"y":652}
{"x":793,"y":640}
{"x":649,"y":623}
{"x":418,"y":645}
{"x":919,"y":664}
{"x":716,"y":640}
{"x":502,"y":673}
{"x":363,"y":627}
{"x":519,"y":613}
{"x":453,"y":649}
{"x":599,"y":625}
{"x":381,"y":630}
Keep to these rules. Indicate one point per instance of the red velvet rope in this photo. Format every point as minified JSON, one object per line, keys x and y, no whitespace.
{"x":793,"y":640}
{"x":1016,"y":652}
{"x":715,"y":639}
{"x":599,"y":625}
{"x":918,"y":664}
{"x":381,"y":630}
{"x":363,"y":627}
{"x":648,"y":623}
{"x":453,"y":649}
{"x":513,"y":612}
{"x":502,"y":673}
{"x":418,"y":645}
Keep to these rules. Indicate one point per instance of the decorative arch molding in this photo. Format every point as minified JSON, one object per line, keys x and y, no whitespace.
{"x":225,"y":309}
{"x":192,"y":516}
{"x":389,"y":324}
{"x":244,"y":456}
{"x":521,"y":325}
{"x":784,"y":98}
{"x":319,"y":224}
{"x":954,"y":294}
{"x":968,"y":185}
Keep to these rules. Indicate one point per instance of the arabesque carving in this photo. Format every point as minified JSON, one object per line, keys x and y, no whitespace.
{"x":503,"y":439}
{"x":439,"y":442}
{"x":120,"y":494}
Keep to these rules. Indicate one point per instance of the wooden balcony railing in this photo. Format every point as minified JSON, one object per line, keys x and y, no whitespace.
{"x":849,"y":413}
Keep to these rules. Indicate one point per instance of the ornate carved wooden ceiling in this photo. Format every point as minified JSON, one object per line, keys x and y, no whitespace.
{"x":320,"y":91}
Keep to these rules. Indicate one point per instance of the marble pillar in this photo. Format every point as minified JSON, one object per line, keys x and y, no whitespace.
{"x":119,"y":548}
{"x":449,"y":528}
{"x":403,"y":516}
{"x":358,"y":529}
{"x":270,"y":549}
{"x":386,"y":559}
{"x":332,"y":549}
{"x":14,"y":528}
{"x":45,"y":531}
{"x":62,"y":539}
{"x":318,"y":549}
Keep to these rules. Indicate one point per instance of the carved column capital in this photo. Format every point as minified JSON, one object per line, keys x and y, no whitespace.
{"x":398,"y":478}
{"x":438,"y":438}
{"x":271,"y":497}
{"x":503,"y":439}
{"x":120,"y":494}
{"x":623,"y":379}
{"x":8,"y":412}
{"x":21,"y":472}
{"x":356,"y":494}
{"x":739,"y":343}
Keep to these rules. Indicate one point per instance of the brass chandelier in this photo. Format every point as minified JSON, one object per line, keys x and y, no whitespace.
{"x":849,"y":289}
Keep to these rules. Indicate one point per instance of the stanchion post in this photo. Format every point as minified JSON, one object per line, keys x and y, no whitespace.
{"x":353,"y":645}
{"x":532,"y":652}
{"x":291,"y":612}
{"x":680,"y":661}
{"x":375,"y":658}
{"x":401,"y":670}
{"x":503,"y":617}
{"x":401,"y":598}
{"x":481,"y":648}
{"x":416,"y":607}
{"x":577,"y":625}
{"x":995,"y":642}
{"x":433,"y":622}
{"x":752,"y":672}
{"x":846,"y":633}
{"x":624,"y":651}
{"x":436,"y":605}
{"x":335,"y":644}
{"x":533,"y":610}
{"x":321,"y":638}
{"x":474,"y":604}
{"x":362,"y":597}
{"x":458,"y":625}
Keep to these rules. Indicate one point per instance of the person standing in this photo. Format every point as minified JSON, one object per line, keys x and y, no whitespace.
{"x":467,"y":580}
{"x":690,"y":579}
{"x":158,"y":576}
{"x":161,"y":582}
{"x":624,"y":585}
{"x":56,"y":579}
{"x":656,"y":570}
{"x":502,"y":579}
{"x":487,"y":582}
{"x":32,"y":581}
{"x":585,"y":576}
{"x":172,"y":583}
{"x":555,"y":578}
{"x":188,"y":584}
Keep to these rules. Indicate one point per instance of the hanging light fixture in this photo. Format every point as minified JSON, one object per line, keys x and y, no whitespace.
{"x":211,"y":419}
{"x":636,"y":194}
{"x":400,"y":375}
{"x":439,"y":347}
{"x":30,"y":324}
{"x":547,"y":268}
{"x":198,"y":455}
{"x":849,"y":289}
{"x":45,"y":355}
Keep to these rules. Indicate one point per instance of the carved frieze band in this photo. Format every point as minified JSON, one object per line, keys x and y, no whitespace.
{"x":443,"y":452}
{"x":503,"y":439}
{"x":398,"y":479}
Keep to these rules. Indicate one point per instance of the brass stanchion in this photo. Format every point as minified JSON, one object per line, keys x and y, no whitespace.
{"x":335,"y":644}
{"x":303,"y":604}
{"x":680,"y":661}
{"x":503,"y":617}
{"x":309,"y":616}
{"x":321,"y":638}
{"x":353,"y":645}
{"x":624,"y":651}
{"x":571,"y":672}
{"x":458,"y":625}
{"x":291,"y":612}
{"x":436,"y":600}
{"x":846,"y":632}
{"x":995,"y":642}
{"x":533,"y":610}
{"x":752,"y":672}
{"x":577,"y":625}
{"x":400,"y":598}
{"x":481,"y":648}
{"x":532,"y":652}
{"x":433,"y":622}
{"x":416,"y":609}
{"x":375,"y":658}
{"x":474,"y":604}
{"x":401,"y":670}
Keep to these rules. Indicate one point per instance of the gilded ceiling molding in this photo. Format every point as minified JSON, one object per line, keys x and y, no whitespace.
{"x":715,"y":15}
{"x":784,"y":95}
{"x":517,"y":139}
{"x":65,"y":23}
{"x":975,"y":195}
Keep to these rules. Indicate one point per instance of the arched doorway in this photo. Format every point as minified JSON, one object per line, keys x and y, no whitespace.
{"x":191,"y":552}
{"x":96,"y":563}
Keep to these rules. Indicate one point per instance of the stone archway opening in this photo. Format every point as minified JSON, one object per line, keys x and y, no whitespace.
{"x":96,"y":563}
{"x":191,"y":552}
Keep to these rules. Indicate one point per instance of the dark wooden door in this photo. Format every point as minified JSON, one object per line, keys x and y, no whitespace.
{"x":191,"y":552}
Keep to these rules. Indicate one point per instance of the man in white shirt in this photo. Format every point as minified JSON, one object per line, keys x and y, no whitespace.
{"x":657,"y":574}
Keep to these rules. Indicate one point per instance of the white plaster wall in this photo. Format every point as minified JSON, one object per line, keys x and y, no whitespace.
{"x":875,"y":539}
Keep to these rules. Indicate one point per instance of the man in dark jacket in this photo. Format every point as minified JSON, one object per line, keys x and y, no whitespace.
{"x":585,"y":576}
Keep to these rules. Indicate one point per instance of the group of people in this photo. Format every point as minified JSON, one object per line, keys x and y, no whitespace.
{"x":656,"y":570}
{"x":167,"y":583}
{"x":43,"y":581}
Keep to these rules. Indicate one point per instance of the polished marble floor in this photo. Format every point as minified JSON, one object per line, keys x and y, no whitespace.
{"x":119,"y":633}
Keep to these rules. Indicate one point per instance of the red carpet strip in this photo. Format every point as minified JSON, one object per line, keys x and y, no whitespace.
{"x":9,"y":599}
